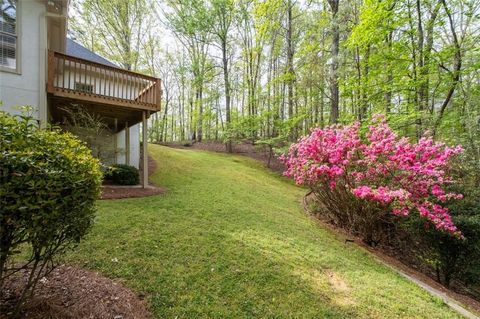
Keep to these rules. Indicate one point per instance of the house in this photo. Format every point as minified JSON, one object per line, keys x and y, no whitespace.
{"x":41,"y":67}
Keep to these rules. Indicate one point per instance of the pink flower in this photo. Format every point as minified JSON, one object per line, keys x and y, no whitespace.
{"x":403,"y":211}
{"x":437,"y":190}
{"x":381,"y":168}
{"x":362,"y":191}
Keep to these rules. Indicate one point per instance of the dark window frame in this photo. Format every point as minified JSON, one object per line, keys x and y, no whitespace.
{"x":83,"y":87}
{"x":15,"y":36}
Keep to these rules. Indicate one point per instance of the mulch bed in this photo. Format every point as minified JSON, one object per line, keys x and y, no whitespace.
{"x":118,"y":192}
{"x":73,"y":293}
{"x":244,"y":149}
{"x":386,"y":256}
{"x":112,"y":192}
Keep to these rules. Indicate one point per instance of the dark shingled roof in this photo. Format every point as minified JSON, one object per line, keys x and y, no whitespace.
{"x":79,"y":51}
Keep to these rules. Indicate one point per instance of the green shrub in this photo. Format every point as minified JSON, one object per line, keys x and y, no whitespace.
{"x":49,"y":183}
{"x":453,"y":259}
{"x":469,"y":251}
{"x":122,"y":174}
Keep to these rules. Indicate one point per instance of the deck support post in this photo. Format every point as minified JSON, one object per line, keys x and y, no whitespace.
{"x":145,"y":149}
{"x":127,"y":144}
{"x":115,"y":142}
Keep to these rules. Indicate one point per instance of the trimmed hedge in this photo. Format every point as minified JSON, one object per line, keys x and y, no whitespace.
{"x":122,"y":174}
{"x":49,"y":183}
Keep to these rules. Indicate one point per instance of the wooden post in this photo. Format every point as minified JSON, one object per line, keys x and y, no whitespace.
{"x":158,"y":94}
{"x":145,"y":149}
{"x":115,"y":142}
{"x":127,"y":144}
{"x":51,"y":71}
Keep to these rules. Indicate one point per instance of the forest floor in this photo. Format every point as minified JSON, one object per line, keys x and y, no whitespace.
{"x":245,"y":149}
{"x":229,"y":239}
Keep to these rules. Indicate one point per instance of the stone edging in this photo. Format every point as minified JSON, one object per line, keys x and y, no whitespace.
{"x":433,"y":291}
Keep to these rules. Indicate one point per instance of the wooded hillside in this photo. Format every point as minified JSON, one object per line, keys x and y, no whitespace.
{"x":262,"y":70}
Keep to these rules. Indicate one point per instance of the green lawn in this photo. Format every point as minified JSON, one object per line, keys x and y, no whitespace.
{"x":229,"y":240}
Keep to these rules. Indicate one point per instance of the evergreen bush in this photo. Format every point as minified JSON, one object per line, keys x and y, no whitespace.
{"x":49,"y":183}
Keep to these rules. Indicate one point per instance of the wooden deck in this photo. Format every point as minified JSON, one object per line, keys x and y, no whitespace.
{"x":83,"y":81}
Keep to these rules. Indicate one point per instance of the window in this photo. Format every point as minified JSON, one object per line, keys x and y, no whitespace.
{"x":82,"y":87}
{"x":8,"y":34}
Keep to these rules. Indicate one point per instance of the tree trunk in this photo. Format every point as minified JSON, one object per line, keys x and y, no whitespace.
{"x":425,"y":45}
{"x":388,"y":93}
{"x":334,"y":90}
{"x":199,"y":102}
{"x":226,"y":80}
{"x":456,"y":69}
{"x":290,"y":70}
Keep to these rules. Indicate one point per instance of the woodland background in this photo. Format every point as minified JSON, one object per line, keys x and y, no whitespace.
{"x":268,"y":71}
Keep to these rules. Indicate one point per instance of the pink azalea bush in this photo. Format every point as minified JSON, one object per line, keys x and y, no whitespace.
{"x":380,"y":172}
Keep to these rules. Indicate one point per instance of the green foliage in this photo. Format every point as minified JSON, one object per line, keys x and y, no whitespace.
{"x":279,"y":143}
{"x":376,"y":20}
{"x":113,"y":28}
{"x":243,"y":130}
{"x":468,"y":270}
{"x":273,"y":145}
{"x":91,"y":129}
{"x":122,"y":174}
{"x":49,"y":183}
{"x":455,"y":260}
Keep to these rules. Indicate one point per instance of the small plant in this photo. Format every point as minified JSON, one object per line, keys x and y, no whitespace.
{"x":361,"y":180}
{"x":122,"y":174}
{"x":244,"y":130}
{"x":91,"y":129}
{"x":49,"y":183}
{"x":270,"y":145}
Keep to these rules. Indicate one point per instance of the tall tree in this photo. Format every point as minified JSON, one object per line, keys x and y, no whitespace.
{"x":223,"y":15}
{"x":190,"y":22}
{"x":119,"y":28}
{"x":335,"y":47}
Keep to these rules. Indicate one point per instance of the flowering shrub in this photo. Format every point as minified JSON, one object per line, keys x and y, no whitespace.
{"x":362,"y":179}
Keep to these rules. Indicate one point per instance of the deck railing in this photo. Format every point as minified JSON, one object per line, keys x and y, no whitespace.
{"x":84,"y":80}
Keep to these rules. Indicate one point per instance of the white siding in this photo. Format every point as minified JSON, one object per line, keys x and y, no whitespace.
{"x":134,"y":146}
{"x":24,"y":88}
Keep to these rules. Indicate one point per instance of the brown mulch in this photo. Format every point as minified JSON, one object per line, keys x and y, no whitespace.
{"x":73,"y":293}
{"x":115,"y":192}
{"x":386,"y":256}
{"x":118,"y":192}
{"x":244,"y":149}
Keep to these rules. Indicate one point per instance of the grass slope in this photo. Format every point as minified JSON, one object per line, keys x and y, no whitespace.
{"x":229,"y":240}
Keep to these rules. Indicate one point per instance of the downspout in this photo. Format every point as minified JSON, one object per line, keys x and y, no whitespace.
{"x":42,"y":103}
